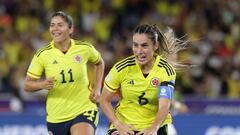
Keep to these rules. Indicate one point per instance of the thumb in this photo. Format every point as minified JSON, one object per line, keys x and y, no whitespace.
{"x":50,"y":78}
{"x":132,"y":127}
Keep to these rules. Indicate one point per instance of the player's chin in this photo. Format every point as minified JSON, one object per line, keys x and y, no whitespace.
{"x":141,"y":62}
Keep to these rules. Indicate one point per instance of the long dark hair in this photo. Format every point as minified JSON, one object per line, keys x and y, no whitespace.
{"x":65,"y":16}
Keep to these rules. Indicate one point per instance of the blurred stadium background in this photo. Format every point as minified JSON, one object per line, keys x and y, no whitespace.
{"x":211,"y":90}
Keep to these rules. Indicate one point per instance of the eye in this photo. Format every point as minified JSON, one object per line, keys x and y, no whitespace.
{"x":144,"y":45}
{"x":135,"y":44}
{"x":51,"y":25}
{"x":60,"y":25}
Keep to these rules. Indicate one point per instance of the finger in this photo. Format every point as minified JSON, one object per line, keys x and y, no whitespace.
{"x":50,"y":84}
{"x":48,"y":88}
{"x":92,"y":99}
{"x":51,"y":79}
{"x":96,"y":99}
{"x":91,"y":96}
{"x":132,"y":127}
{"x":140,"y":133}
{"x":130,"y":132}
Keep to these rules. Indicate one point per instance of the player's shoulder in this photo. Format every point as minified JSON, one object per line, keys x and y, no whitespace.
{"x":82,"y":43}
{"x":125,"y":63}
{"x":46,"y":47}
{"x":166,"y":66}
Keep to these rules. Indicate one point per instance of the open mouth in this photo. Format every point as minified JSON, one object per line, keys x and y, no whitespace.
{"x":141,"y":59}
{"x":56,"y":34}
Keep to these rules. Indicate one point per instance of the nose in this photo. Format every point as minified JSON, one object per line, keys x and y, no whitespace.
{"x":53,"y":27}
{"x":139,"y":50}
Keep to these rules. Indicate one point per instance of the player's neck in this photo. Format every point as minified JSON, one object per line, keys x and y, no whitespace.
{"x":146,"y":68}
{"x":63,"y":46}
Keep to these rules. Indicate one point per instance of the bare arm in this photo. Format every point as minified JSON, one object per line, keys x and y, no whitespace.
{"x":31,"y":84}
{"x":105,"y":103}
{"x":95,"y":95}
{"x":164,"y":105}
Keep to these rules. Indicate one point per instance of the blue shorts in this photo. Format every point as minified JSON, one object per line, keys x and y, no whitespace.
{"x":63,"y":128}
{"x":161,"y":131}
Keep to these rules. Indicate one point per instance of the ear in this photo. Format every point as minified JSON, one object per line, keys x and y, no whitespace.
{"x":71,"y":31}
{"x":155,"y":47}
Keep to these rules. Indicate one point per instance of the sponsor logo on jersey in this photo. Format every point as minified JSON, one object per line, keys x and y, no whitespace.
{"x":131,"y":82}
{"x":155,"y":82}
{"x":55,"y":62}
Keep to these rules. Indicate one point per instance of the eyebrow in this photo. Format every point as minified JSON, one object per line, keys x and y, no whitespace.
{"x":52,"y":23}
{"x":145,"y":43}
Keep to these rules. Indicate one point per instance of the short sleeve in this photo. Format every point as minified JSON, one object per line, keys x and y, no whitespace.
{"x":113,"y":80}
{"x":94,"y":55}
{"x":35,"y":69}
{"x":166,"y":88}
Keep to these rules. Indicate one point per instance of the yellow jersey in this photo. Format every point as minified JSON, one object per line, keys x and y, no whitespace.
{"x":70,"y":95}
{"x":138,"y":104}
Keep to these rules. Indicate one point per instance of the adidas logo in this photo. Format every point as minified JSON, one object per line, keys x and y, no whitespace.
{"x":55,"y":62}
{"x":131,"y":82}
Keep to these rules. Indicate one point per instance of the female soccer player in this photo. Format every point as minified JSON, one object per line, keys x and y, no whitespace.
{"x":145,"y":82}
{"x":70,"y":106}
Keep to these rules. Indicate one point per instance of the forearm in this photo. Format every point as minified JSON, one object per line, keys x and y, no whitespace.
{"x":107,"y":108}
{"x":31,"y":86}
{"x":99,"y":75}
{"x":108,"y":111}
{"x":161,"y":114}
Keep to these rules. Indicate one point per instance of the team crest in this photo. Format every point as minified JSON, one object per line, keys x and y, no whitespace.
{"x":155,"y":82}
{"x":77,"y":58}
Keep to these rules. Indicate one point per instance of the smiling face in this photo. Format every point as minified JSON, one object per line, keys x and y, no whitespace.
{"x":59,"y":29}
{"x":143,"y":49}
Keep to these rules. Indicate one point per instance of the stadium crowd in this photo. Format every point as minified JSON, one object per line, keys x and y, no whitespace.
{"x":212,"y":26}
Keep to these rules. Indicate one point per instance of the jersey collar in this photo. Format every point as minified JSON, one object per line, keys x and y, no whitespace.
{"x":72,"y":44}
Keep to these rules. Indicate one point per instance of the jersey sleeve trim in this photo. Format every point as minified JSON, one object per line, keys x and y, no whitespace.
{"x":98,"y":59}
{"x":162,"y":63}
{"x":77,"y":42}
{"x":47,"y":47}
{"x":109,"y":88}
{"x":130,"y":61}
{"x":33,"y":75}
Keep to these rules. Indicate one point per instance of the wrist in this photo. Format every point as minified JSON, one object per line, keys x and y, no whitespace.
{"x":40,"y":85}
{"x":116,"y":122}
{"x":155,"y":127}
